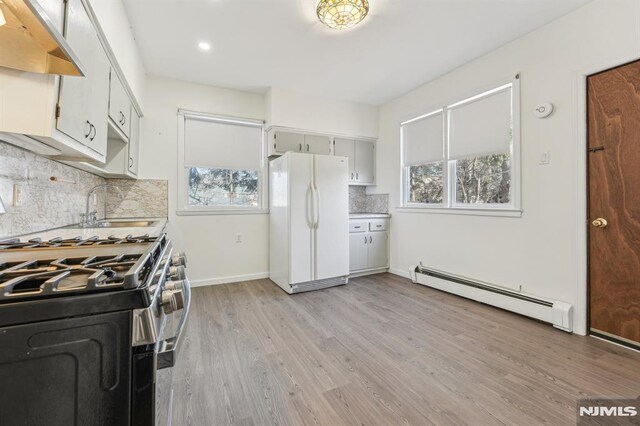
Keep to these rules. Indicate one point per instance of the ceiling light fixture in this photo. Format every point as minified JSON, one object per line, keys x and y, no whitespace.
{"x":203,"y":45}
{"x":341,"y":14}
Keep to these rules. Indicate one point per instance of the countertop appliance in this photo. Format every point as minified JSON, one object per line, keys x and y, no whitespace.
{"x":90,"y":329}
{"x":309,"y":221}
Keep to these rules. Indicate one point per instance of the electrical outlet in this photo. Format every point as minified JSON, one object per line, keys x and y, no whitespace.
{"x":238,"y":238}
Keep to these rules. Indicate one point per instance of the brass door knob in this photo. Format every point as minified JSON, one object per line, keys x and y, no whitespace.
{"x":599,"y":222}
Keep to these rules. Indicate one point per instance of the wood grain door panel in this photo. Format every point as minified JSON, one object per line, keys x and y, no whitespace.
{"x":614,"y":194}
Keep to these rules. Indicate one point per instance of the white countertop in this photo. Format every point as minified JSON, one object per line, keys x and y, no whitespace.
{"x":369,"y":215}
{"x":152,"y":231}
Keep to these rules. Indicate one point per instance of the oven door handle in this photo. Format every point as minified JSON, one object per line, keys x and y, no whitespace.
{"x":168,"y":351}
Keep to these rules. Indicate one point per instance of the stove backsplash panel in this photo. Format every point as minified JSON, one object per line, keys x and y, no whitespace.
{"x":42,"y":203}
{"x":138,"y":198}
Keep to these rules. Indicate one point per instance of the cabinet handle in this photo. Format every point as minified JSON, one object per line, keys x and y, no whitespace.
{"x":351,"y":176}
{"x":95,"y":132}
{"x":124,"y":119}
{"x":370,"y":239}
{"x":300,"y":148}
{"x":357,"y":227}
{"x":307,"y":147}
{"x":357,"y":176}
{"x":130,"y":162}
{"x":87,"y":135}
{"x":365,"y":239}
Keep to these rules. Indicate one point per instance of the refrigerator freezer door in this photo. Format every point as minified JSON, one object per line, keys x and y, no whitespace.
{"x":300,"y":233}
{"x":331,"y":178}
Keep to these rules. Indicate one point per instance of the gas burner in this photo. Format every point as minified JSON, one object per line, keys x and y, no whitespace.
{"x":41,"y":278}
{"x":36,"y":243}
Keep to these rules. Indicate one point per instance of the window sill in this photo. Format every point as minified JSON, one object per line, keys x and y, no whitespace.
{"x":214,"y":212}
{"x":462,"y":211}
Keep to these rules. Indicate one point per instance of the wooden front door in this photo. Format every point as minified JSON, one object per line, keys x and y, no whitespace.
{"x":614,"y":202}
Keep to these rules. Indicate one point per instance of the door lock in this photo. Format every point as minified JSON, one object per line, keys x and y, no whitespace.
{"x":599,"y":222}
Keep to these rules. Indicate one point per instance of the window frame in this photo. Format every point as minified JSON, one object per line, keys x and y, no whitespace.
{"x":449,"y":203}
{"x":183,"y":207}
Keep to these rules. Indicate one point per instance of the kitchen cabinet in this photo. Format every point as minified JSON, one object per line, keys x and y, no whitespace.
{"x":134,"y":143}
{"x":361,"y":154}
{"x":368,"y":246}
{"x":67,"y":117}
{"x":122,"y":155}
{"x":119,"y":104}
{"x":317,"y":144}
{"x":282,"y":141}
{"x":358,"y":251}
{"x":82,"y":102}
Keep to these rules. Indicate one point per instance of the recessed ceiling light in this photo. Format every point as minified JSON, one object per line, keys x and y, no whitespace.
{"x":203,"y":45}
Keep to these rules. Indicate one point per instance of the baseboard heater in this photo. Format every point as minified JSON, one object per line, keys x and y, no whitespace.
{"x":554,"y":312}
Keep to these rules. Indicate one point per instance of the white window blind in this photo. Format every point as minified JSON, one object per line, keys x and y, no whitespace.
{"x":481,"y":126}
{"x":222,"y":144}
{"x":422,"y":140}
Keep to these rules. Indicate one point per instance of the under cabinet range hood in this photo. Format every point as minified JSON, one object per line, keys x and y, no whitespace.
{"x":31,"y":41}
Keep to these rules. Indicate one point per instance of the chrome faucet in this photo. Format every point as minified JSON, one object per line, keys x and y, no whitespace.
{"x":90,"y":218}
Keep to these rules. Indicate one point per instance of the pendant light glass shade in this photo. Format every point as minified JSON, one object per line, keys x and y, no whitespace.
{"x":341,"y":14}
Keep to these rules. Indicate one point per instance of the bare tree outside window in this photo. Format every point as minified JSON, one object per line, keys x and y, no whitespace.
{"x":484,"y":180}
{"x":426,"y":183}
{"x":213,"y":187}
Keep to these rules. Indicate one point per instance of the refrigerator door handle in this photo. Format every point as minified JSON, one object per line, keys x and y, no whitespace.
{"x":310,"y":207}
{"x":316,"y":205}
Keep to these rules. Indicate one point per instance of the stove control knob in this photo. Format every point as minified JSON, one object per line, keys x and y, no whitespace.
{"x":172,"y":300}
{"x":174,"y":285}
{"x":180,"y":259}
{"x":176,"y":273}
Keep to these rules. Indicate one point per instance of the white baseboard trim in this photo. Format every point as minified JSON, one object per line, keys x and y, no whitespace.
{"x":228,"y":280}
{"x":400,"y":272}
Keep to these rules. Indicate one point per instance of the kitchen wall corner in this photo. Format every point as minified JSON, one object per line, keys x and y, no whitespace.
{"x":360,"y":202}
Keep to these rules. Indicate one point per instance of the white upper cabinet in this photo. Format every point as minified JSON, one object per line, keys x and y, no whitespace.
{"x":346,"y":148}
{"x":282,"y":141}
{"x":365,"y":162}
{"x":361,"y":154}
{"x":119,"y":105}
{"x":67,"y":117}
{"x":82,"y":103}
{"x":317,"y":144}
{"x":134,"y":143}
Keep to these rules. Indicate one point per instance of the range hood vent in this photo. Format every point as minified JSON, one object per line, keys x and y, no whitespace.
{"x":30,"y":41}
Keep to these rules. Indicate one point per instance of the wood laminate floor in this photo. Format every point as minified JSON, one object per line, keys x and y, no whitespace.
{"x":383,"y":351}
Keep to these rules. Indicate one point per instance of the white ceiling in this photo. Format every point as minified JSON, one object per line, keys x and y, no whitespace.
{"x":256,"y":44}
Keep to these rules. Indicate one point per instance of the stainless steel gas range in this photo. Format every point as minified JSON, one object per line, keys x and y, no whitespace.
{"x":90,"y":330}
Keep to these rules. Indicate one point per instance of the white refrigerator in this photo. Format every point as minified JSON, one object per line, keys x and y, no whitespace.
{"x":309,"y":221}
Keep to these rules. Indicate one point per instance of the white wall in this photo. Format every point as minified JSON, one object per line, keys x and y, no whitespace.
{"x":299,"y":111}
{"x":544,"y":250}
{"x":114,"y":22}
{"x":209,"y":241}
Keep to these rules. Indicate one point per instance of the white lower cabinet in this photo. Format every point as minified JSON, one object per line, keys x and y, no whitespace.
{"x":368,"y":249}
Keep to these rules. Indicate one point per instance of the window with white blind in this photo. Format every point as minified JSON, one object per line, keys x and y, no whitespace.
{"x":464,"y":156}
{"x":221,"y":164}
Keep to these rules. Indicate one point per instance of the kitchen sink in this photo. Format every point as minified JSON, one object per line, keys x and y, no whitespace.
{"x":117,"y":224}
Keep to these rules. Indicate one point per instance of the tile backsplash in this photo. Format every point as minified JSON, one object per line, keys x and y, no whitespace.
{"x":360,"y":202}
{"x":41,"y":203}
{"x":138,"y":198}
{"x":44,"y":204}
